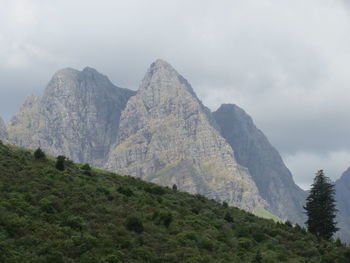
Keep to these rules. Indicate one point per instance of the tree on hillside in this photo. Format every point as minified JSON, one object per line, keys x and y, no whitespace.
{"x":39,"y":154}
{"x":321,"y":208}
{"x":60,"y":162}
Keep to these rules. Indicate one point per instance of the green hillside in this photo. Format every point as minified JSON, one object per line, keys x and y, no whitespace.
{"x":77,"y":215}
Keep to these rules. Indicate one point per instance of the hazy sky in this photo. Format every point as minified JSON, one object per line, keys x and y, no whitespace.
{"x":285,"y":62}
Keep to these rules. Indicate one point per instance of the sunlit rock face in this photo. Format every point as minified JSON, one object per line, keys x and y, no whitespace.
{"x":168,"y":137}
{"x":78,"y":116}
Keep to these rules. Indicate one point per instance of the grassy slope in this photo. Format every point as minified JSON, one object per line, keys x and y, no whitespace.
{"x":74,"y":216}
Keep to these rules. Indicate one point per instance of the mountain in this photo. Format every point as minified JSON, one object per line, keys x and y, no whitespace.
{"x":78,"y":116}
{"x":3,"y":130}
{"x":342,"y":188}
{"x":168,"y":137}
{"x":253,"y":150}
{"x":79,"y":215}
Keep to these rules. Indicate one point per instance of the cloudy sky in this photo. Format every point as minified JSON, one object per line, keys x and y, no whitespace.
{"x":286,"y":62}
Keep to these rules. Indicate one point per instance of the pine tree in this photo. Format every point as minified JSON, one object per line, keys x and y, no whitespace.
{"x":321,"y":208}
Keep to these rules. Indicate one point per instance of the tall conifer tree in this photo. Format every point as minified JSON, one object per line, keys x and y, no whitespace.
{"x":321,"y":208}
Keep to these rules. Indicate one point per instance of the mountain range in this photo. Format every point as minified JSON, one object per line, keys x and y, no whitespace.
{"x":161,"y":133}
{"x":342,"y":188}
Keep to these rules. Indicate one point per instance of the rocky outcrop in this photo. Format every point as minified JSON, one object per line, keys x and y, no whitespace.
{"x":253,"y":150}
{"x":168,"y":137}
{"x":78,"y":116}
{"x":342,"y":188}
{"x":3,"y":131}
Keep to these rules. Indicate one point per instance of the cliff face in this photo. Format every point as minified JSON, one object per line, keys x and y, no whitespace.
{"x":253,"y":150}
{"x":3,"y":130}
{"x":342,"y":188}
{"x":78,"y":116}
{"x":167,"y":136}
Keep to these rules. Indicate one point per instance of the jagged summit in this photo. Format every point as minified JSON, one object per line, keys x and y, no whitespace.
{"x":166,"y":136}
{"x":65,"y":73}
{"x":162,"y":82}
{"x":77,"y":116}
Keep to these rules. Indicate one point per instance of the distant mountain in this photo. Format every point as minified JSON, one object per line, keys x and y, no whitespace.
{"x":78,"y":116}
{"x":168,"y":137}
{"x":253,"y":150}
{"x":342,"y":187}
{"x":3,"y":130}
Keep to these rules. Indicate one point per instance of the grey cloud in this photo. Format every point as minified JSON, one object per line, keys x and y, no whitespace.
{"x":285,"y":62}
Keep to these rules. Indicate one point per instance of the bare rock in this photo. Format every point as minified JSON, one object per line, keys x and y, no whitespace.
{"x":167,"y":136}
{"x":78,"y":116}
{"x":253,"y":150}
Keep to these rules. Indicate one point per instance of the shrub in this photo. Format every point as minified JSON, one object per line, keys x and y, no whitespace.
{"x":125,"y":191}
{"x":207,"y":244}
{"x":166,"y":217}
{"x":113,"y":258}
{"x":288,"y":223}
{"x":134,"y":224}
{"x":228,"y":217}
{"x":86,"y":167}
{"x":156,"y":190}
{"x":39,"y":154}
{"x":75,"y":222}
{"x":46,"y":205}
{"x":174,"y":187}
{"x":60,"y":162}
{"x":258,"y":257}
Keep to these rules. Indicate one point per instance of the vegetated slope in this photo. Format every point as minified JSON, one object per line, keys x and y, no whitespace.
{"x":92,"y":216}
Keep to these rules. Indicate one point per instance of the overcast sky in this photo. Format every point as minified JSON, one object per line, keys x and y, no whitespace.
{"x":285,"y":62}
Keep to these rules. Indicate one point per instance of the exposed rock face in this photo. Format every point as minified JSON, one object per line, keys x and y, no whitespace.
{"x":168,"y":137}
{"x":3,"y":130}
{"x":78,"y":116}
{"x":342,"y":188}
{"x":253,"y":150}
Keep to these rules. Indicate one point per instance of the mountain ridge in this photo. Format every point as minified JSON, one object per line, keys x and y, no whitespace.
{"x":254,"y":151}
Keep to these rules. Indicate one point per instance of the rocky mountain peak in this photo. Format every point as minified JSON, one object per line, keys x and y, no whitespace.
{"x":253,"y":150}
{"x":166,"y":136}
{"x":78,"y":116}
{"x":162,"y":79}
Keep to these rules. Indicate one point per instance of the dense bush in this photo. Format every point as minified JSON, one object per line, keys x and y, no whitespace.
{"x":134,"y":224}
